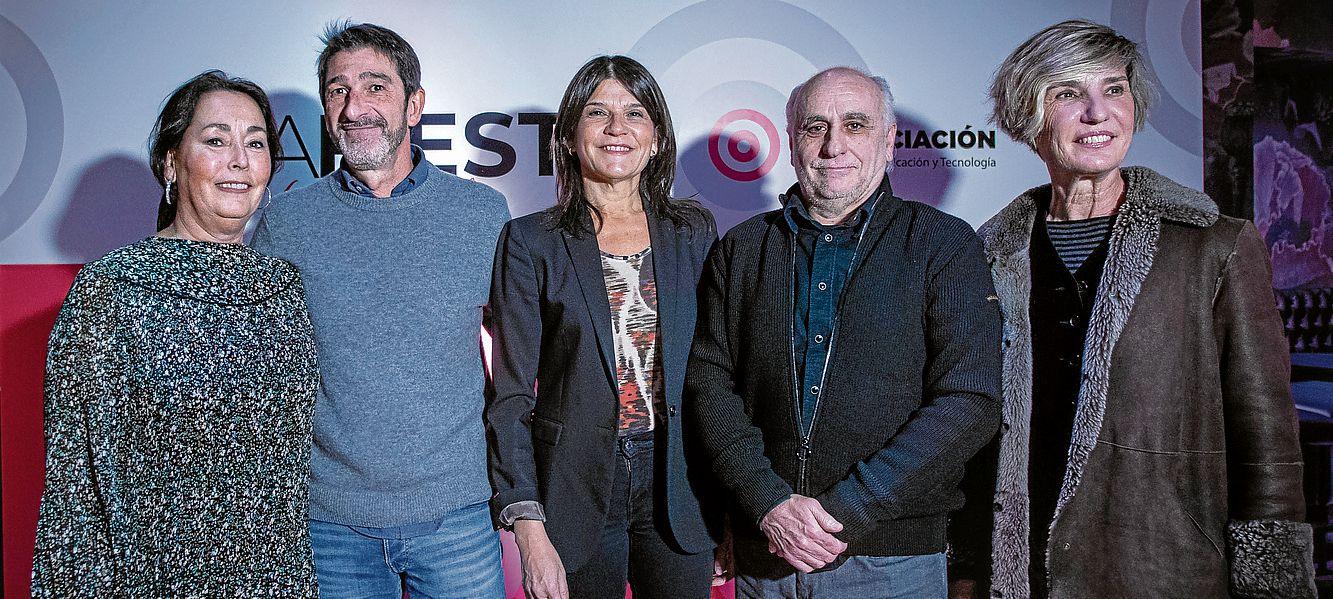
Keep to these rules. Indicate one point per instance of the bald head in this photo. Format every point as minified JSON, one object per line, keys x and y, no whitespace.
{"x":879,"y":84}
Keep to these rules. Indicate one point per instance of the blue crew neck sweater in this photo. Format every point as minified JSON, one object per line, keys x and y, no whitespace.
{"x":395,"y":288}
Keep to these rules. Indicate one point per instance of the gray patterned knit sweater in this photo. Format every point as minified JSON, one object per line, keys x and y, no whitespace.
{"x":179,"y":390}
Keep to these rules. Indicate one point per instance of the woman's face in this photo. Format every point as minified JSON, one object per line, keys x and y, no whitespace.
{"x":1088,"y":125}
{"x":222,"y":164}
{"x":615,"y":137}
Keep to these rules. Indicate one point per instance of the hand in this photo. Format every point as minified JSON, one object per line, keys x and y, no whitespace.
{"x":543,"y":572}
{"x":724,"y":563}
{"x":801,"y":532}
{"x":963,"y":589}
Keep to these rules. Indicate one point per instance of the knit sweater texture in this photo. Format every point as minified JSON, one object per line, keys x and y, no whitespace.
{"x":180,"y":384}
{"x":912,"y":389}
{"x":395,"y":288}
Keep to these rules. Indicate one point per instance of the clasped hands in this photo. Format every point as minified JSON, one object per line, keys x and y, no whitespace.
{"x":801,"y":532}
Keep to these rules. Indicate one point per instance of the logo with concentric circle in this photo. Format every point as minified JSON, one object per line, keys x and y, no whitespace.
{"x":44,"y":118}
{"x":744,"y":145}
{"x":738,"y":59}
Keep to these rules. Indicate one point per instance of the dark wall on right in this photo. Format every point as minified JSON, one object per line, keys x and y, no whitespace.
{"x":1268,"y":127}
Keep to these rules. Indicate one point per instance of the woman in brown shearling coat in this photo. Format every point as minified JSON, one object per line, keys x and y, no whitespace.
{"x":1149,"y":445}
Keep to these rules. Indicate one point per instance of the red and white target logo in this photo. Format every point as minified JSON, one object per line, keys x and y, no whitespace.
{"x":744,"y":145}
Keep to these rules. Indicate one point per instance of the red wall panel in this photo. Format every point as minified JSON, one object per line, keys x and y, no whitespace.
{"x":30,"y":297}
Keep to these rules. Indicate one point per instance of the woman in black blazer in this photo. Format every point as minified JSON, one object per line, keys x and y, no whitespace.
{"x":593,"y":310}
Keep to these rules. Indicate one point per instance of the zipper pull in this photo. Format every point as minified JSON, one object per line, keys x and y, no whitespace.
{"x":803,"y":453}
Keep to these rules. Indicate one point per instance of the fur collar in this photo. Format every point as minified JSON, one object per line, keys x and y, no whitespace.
{"x":1010,"y":230}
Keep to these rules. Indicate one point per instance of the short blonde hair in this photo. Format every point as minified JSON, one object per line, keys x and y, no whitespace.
{"x":1061,"y":52}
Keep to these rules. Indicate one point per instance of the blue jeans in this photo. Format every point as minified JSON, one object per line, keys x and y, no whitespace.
{"x":459,"y":559}
{"x":863,"y":577}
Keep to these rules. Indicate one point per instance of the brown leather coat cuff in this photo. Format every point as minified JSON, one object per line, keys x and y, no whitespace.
{"x":1271,"y":558}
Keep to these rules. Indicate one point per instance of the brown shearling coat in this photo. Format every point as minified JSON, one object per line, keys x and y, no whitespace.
{"x":1184,"y":470}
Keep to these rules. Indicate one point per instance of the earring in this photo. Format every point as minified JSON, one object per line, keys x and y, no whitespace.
{"x":167,"y":196}
{"x":268,"y":198}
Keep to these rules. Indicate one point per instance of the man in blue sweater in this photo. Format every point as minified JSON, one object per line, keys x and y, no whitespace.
{"x":396,"y":259}
{"x":843,"y":450}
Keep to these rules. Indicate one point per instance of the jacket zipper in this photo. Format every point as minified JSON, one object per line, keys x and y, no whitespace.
{"x":803,"y":452}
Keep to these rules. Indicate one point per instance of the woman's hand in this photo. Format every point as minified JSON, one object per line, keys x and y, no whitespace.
{"x":962,"y":589}
{"x":724,"y":564}
{"x":543,"y":573}
{"x":724,"y":561}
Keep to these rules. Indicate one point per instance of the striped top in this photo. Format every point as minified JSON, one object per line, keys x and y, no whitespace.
{"x":1075,"y":240}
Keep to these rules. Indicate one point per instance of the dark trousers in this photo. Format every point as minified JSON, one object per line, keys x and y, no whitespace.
{"x":633,"y":546}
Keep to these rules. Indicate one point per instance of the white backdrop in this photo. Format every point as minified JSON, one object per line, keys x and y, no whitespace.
{"x":82,"y":83}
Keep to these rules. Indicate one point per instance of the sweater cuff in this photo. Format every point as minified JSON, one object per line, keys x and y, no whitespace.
{"x":1271,"y":558}
{"x":759,"y":496}
{"x":851,"y":511}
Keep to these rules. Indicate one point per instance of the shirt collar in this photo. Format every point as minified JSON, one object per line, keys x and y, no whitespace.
{"x":798,"y":217}
{"x":420,"y":170}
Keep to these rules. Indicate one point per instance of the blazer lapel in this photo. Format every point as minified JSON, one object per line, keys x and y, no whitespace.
{"x":586,"y":257}
{"x":666,"y":248}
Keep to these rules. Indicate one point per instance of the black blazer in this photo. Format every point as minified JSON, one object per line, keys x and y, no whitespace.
{"x":551,"y":326}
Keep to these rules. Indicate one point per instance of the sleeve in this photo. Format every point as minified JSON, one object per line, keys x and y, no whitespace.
{"x":516,"y":344}
{"x":1270,"y":546}
{"x":74,"y":556}
{"x":959,"y":414}
{"x":729,"y":438}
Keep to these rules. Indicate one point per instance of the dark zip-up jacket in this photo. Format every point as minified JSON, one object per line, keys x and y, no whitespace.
{"x":912,"y":389}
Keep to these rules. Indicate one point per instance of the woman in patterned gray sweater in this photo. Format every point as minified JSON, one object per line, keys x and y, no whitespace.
{"x":180,"y":383}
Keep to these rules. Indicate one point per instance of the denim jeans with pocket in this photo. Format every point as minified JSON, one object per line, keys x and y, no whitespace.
{"x":459,"y":559}
{"x":633,"y":546}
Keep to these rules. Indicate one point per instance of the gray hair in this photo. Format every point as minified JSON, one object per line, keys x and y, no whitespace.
{"x":798,"y":95}
{"x":1061,"y":52}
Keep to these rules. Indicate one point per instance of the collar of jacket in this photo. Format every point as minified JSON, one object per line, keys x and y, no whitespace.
{"x":884,"y":203}
{"x":1150,"y":198}
{"x":1147,"y":191}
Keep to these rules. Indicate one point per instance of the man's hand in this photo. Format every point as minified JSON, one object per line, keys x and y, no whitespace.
{"x":801,"y":532}
{"x":543,"y":573}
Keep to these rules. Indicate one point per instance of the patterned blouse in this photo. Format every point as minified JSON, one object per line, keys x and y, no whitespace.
{"x":631,"y":291}
{"x":180,"y":385}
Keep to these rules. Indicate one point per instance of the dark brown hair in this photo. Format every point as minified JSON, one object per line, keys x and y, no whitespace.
{"x":572,"y":211}
{"x":344,"y":35}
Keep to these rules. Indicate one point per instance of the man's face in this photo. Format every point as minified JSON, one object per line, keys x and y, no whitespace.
{"x":365,"y":108}
{"x":840,"y":142}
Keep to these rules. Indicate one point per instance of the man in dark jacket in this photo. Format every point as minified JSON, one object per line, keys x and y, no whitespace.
{"x":846,"y":364}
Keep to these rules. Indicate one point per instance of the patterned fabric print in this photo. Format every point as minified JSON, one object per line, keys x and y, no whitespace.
{"x":632,"y":293}
{"x":180,"y":386}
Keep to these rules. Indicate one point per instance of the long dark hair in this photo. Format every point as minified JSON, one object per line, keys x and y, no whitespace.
{"x":176,"y":116}
{"x":572,"y":211}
